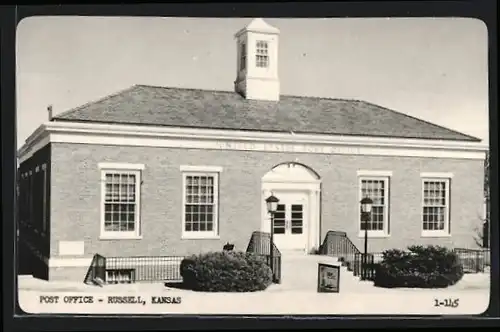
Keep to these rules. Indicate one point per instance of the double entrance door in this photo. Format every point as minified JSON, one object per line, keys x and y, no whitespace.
{"x":290,"y":221}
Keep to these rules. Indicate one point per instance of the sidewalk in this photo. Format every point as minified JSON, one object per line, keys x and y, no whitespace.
{"x":297,"y":294}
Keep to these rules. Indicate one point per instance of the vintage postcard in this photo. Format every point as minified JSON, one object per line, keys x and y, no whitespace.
{"x":254,"y":166}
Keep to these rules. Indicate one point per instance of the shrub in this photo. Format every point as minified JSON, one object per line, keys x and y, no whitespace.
{"x":227,"y":271}
{"x":419,"y":267}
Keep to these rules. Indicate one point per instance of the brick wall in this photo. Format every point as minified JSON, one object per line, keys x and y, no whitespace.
{"x":76,"y":197}
{"x":34,"y":182}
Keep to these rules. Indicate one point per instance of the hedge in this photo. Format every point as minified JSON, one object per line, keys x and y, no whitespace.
{"x":419,"y":267}
{"x":227,"y":271}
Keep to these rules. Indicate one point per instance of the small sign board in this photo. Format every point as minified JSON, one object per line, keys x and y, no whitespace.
{"x":328,"y":278}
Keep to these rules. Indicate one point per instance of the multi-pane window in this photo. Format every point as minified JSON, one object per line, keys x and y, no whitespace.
{"x":279,"y":222}
{"x":243,"y":59}
{"x":18,"y":198}
{"x":200,"y":204}
{"x":116,"y":276}
{"x":24,"y":199}
{"x":44,"y":200}
{"x":435,"y":199}
{"x":377,"y":189}
{"x":30,"y":198}
{"x":38,"y":202}
{"x":262,"y":54}
{"x":121,"y":202}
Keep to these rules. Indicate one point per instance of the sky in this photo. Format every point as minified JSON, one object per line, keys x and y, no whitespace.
{"x":435,"y":69}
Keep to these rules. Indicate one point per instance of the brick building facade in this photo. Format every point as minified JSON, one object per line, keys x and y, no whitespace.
{"x":164,"y":171}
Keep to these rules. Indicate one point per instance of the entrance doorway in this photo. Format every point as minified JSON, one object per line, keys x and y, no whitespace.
{"x":296,"y":221}
{"x":290,"y":221}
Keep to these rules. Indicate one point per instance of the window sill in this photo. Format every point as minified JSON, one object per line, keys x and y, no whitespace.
{"x":120,"y":237}
{"x":200,"y":237}
{"x":373,"y":235}
{"x":435,"y":234}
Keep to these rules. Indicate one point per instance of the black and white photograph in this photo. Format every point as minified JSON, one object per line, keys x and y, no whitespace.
{"x":182,"y":165}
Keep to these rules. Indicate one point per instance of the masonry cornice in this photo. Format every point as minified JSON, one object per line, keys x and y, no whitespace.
{"x":136,"y":135}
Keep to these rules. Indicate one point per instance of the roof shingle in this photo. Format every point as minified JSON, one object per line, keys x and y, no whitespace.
{"x":180,"y":107}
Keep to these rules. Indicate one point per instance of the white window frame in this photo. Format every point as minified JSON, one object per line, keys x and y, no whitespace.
{"x":375,"y":176}
{"x":121,"y":168}
{"x":214,"y":172}
{"x":436,"y":177}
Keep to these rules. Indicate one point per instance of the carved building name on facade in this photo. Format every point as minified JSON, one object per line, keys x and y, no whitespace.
{"x":284,"y":147}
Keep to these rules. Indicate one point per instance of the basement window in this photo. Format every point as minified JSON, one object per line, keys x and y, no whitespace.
{"x":120,"y":276}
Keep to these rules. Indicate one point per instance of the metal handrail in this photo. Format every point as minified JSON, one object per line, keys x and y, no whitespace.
{"x":339,"y":245}
{"x":96,"y":273}
{"x":259,"y":244}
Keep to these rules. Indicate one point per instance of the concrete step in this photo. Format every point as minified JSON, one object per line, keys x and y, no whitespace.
{"x":293,"y":252}
{"x":311,"y":258}
{"x":305,"y":256}
{"x":300,"y":272}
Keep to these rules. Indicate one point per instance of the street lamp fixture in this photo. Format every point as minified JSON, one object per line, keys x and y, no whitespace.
{"x":272,"y":205}
{"x":366,"y":210}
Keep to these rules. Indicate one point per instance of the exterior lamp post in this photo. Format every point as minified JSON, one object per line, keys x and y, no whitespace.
{"x":366,"y":210}
{"x":272,"y":206}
